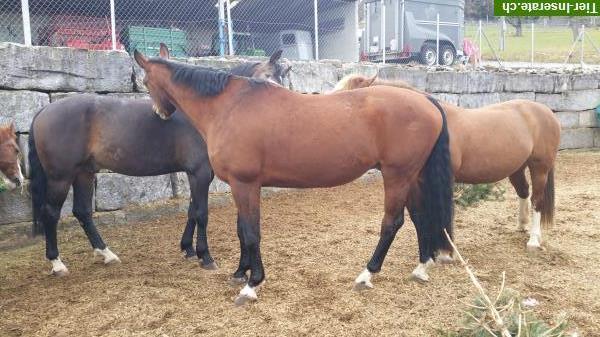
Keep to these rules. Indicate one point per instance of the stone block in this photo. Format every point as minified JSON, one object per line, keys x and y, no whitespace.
{"x":571,"y":100}
{"x":115,"y":191}
{"x":447,"y":81}
{"x":312,"y":77}
{"x":521,"y":82}
{"x":588,"y":119}
{"x":64,"y":69}
{"x":568,"y":119}
{"x":20,"y":107}
{"x":448,"y":98}
{"x":472,"y":101}
{"x":580,"y":138}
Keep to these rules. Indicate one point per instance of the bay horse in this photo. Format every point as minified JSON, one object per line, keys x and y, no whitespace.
{"x":10,"y":166}
{"x":495,"y":142}
{"x":72,"y":139}
{"x":259,"y":134}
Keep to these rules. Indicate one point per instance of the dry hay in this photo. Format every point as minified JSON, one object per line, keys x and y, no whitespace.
{"x":314,"y":243}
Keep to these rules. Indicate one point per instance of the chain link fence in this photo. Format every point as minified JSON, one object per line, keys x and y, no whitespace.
{"x":557,"y":41}
{"x":307,"y":29}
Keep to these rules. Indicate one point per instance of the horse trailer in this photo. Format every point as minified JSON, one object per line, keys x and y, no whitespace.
{"x":398,"y":30}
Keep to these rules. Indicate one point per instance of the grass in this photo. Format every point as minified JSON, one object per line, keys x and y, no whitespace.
{"x":551,"y":44}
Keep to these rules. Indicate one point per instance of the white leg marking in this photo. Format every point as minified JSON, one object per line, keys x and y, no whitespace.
{"x":108,"y":255}
{"x":523,"y":213}
{"x":444,"y":257}
{"x":535,"y":234}
{"x":58,"y":268}
{"x":420,"y":273}
{"x":249,"y":292}
{"x":364,"y":278}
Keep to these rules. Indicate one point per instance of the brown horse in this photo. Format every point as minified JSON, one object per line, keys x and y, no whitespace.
{"x":73,"y":138}
{"x":498,"y":141}
{"x":9,"y":157}
{"x":258,"y":135}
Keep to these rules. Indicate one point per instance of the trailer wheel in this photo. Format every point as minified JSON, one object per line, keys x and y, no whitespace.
{"x":428,"y":55}
{"x":447,"y":55}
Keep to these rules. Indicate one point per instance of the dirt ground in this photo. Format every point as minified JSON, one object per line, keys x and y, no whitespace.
{"x":315,"y":242}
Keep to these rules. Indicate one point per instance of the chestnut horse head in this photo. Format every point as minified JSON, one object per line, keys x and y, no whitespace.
{"x":9,"y":156}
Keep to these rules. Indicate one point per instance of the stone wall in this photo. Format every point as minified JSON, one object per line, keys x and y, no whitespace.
{"x":31,"y":77}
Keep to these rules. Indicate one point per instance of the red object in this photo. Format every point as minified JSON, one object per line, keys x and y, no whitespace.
{"x":79,"y":32}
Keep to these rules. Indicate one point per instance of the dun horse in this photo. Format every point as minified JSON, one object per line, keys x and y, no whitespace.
{"x":498,"y":141}
{"x":9,"y":157}
{"x":259,"y":135}
{"x":73,"y":138}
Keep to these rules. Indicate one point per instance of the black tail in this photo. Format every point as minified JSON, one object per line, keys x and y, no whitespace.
{"x":38,"y":184}
{"x":437,"y":192}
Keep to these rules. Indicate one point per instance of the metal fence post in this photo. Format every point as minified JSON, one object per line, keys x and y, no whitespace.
{"x":437,"y":40}
{"x":316,"y":10}
{"x":367,"y":42}
{"x":582,"y":35}
{"x":356,"y":25}
{"x":480,"y":32}
{"x":382,"y":37}
{"x":113,"y":33}
{"x":230,"y":29}
{"x":532,"y":41}
{"x":26,"y":22}
{"x":221,"y":27}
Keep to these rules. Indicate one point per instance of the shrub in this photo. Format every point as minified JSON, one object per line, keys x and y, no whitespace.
{"x":468,"y":195}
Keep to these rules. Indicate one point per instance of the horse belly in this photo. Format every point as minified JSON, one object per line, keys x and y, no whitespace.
{"x":487,"y":165}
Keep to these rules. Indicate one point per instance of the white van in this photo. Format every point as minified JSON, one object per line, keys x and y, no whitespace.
{"x":296,"y":44}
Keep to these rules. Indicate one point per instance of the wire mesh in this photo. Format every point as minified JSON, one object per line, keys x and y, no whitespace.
{"x":11,"y":21}
{"x":75,"y":23}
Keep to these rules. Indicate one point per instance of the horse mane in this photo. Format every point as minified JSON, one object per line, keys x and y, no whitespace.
{"x":344,"y":83}
{"x":245,"y":69}
{"x":205,"y":81}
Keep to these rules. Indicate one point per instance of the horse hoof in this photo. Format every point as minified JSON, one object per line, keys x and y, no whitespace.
{"x":60,"y":273}
{"x":444,"y":259}
{"x":360,"y":286}
{"x":419,"y":277}
{"x":534,"y":247}
{"x":112,"y":261}
{"x":190,"y":256}
{"x":209,"y":266}
{"x":241,"y":300}
{"x":237,"y":281}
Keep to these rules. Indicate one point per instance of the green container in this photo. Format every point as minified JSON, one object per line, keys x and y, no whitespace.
{"x":147,"y":40}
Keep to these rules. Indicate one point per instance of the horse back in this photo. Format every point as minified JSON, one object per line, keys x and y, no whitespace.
{"x":92,"y":132}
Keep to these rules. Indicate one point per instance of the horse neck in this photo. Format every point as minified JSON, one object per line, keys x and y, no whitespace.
{"x":201,"y":110}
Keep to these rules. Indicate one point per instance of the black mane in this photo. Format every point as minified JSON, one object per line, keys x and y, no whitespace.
{"x":205,"y":81}
{"x":245,"y":69}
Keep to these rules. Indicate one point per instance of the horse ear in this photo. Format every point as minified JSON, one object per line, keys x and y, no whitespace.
{"x":140,"y":59}
{"x":12,"y":128}
{"x":276,"y":56}
{"x":164,"y":51}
